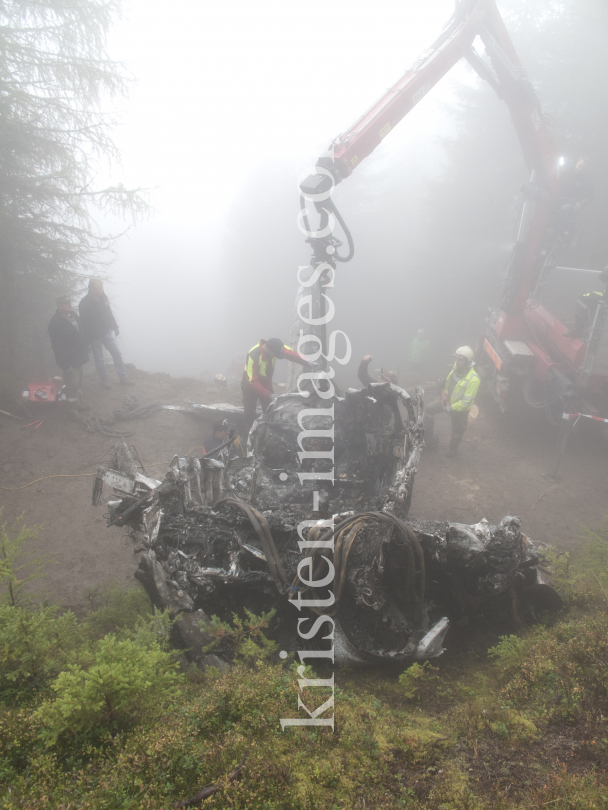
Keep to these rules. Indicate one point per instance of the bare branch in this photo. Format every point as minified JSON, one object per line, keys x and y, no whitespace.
{"x":206,"y":792}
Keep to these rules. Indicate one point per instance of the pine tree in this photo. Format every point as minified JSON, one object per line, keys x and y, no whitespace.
{"x":54,"y":75}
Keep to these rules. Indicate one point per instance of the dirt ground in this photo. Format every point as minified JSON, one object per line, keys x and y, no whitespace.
{"x":47,"y":475}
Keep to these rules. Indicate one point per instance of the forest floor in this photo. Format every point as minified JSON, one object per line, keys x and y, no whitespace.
{"x":47,"y":475}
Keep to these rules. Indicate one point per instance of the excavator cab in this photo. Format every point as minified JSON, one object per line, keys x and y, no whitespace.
{"x":560,"y":288}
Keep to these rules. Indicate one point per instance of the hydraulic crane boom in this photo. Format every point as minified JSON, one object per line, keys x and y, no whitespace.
{"x":359,"y":140}
{"x":480,"y":18}
{"x":472,"y":19}
{"x":527,"y":353}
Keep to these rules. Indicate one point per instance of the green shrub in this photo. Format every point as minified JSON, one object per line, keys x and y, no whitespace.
{"x":150,"y":629}
{"x":564,"y":677}
{"x":591,"y":563}
{"x":18,"y":742}
{"x":245,"y":640}
{"x":417,"y":677}
{"x":14,"y":565}
{"x":396,"y":743}
{"x":34,"y":646}
{"x":509,"y":652}
{"x":112,"y":690}
{"x":582,"y":577}
{"x":114,"y":608}
{"x":487,"y":716}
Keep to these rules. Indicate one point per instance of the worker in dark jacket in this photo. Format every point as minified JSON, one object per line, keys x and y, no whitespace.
{"x":586,"y":306}
{"x":69,"y":347}
{"x":98,"y":323}
{"x":257,"y":376}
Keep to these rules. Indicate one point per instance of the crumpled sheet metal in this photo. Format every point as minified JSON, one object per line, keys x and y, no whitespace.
{"x":219,"y":409}
{"x":375,"y":449}
{"x":488,"y":555}
{"x":211,"y":552}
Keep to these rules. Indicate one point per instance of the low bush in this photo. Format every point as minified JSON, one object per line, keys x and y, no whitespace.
{"x":114,"y":608}
{"x":417,"y":678}
{"x":564,"y":675}
{"x":108,"y":690}
{"x":19,"y":567}
{"x":96,"y":717}
{"x":35,"y":645}
{"x":244,"y":640}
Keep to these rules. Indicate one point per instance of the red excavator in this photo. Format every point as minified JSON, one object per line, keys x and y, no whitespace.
{"x":526,"y":356}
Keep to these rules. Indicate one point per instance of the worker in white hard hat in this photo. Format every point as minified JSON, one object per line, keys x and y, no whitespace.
{"x":458,"y":394}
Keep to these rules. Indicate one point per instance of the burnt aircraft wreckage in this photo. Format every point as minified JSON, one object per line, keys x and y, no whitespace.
{"x":220,"y":533}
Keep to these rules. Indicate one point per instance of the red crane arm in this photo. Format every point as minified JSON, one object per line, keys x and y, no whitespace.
{"x":472,"y":18}
{"x":540,"y":151}
{"x":360,"y":140}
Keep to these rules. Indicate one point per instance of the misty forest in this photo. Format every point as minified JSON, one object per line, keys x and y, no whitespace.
{"x":154,"y":269}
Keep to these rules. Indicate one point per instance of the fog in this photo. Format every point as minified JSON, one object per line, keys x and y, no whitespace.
{"x":231,"y":103}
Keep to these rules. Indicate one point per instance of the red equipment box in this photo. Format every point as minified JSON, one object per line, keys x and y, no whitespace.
{"x":45,"y":392}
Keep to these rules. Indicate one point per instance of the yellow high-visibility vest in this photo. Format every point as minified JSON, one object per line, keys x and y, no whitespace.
{"x":465,"y":390}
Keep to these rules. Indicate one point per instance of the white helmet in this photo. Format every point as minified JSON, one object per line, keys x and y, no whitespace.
{"x":465,"y":351}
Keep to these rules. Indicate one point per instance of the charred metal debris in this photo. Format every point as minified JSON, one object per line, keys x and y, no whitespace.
{"x":219,"y":533}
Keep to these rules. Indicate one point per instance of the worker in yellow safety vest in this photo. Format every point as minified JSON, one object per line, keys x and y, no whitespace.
{"x":458,"y":394}
{"x":256,"y":383}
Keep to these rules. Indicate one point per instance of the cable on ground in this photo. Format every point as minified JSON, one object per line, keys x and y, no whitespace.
{"x":65,"y":475}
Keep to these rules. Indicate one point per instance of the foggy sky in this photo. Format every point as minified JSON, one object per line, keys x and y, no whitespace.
{"x":231,"y":104}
